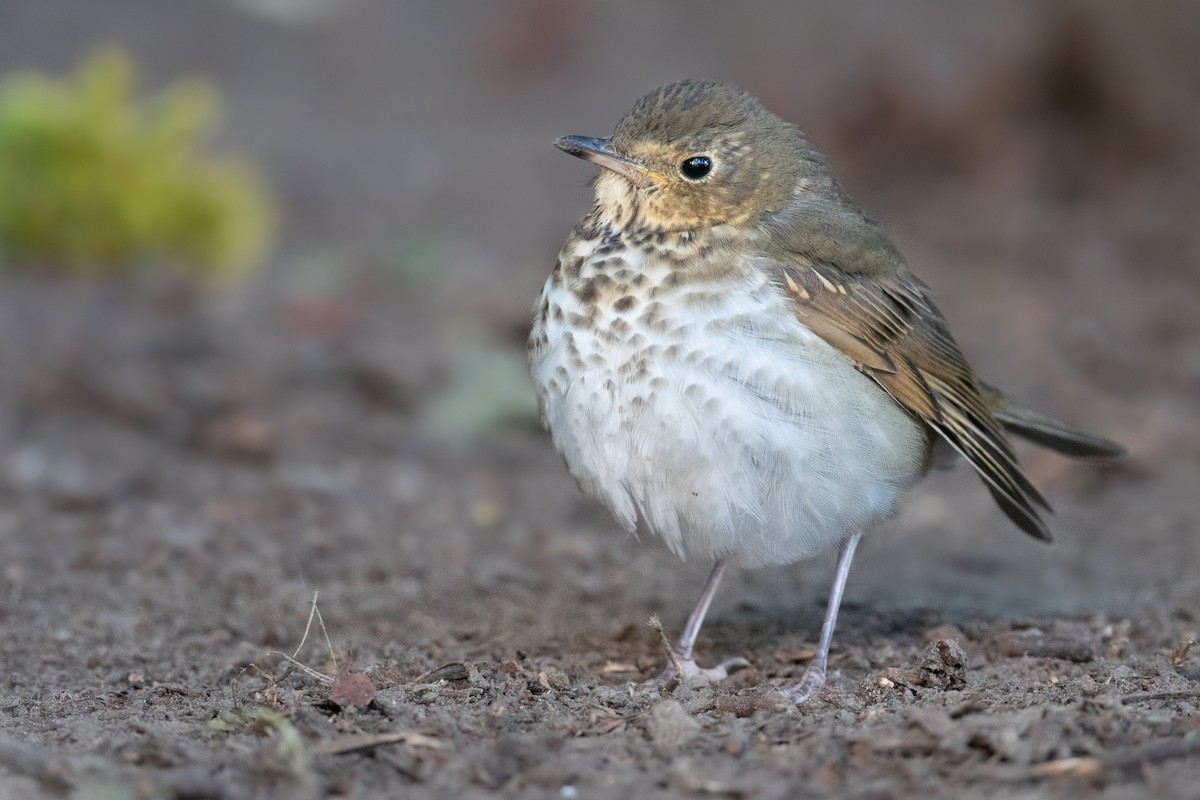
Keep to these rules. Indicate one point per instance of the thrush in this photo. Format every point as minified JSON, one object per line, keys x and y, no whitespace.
{"x":732,"y":354}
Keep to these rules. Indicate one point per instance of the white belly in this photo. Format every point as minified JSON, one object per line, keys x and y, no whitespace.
{"x":729,"y":431}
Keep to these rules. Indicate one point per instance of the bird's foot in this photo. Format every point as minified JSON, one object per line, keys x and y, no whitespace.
{"x":810,"y":685}
{"x":685,"y":670}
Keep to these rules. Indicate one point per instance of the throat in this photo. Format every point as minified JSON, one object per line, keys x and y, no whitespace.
{"x":617,"y":202}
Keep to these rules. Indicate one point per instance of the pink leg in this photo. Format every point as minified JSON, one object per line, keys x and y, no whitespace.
{"x":814,"y":677}
{"x":684,"y":665}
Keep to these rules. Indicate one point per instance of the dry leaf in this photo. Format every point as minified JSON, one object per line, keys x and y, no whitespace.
{"x":351,"y":689}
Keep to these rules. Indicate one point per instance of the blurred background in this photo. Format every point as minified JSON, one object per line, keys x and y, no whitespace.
{"x":404,"y":148}
{"x":266,"y":269}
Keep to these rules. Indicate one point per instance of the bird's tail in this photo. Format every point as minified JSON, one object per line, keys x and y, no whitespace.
{"x":1039,"y":429}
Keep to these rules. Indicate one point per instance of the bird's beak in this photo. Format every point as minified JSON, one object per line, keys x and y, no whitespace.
{"x":601,"y":152}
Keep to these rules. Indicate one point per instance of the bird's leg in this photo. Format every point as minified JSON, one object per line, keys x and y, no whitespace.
{"x":682,"y":664}
{"x":814,"y":677}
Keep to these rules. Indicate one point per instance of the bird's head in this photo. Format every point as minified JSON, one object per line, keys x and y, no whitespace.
{"x":695,"y":154}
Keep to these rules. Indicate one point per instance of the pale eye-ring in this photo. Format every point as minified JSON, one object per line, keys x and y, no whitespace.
{"x":695,"y":167}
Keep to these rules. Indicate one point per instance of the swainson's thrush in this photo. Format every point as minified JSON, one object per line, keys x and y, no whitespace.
{"x":732,"y":353}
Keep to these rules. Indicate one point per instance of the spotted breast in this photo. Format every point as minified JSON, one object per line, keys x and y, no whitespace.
{"x":683,"y":393}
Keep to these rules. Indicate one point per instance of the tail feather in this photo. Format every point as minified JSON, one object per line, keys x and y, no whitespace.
{"x":1022,"y":516}
{"x":1040,"y":429}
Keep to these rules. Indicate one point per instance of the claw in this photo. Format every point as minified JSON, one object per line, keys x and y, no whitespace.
{"x":810,"y":685}
{"x":685,"y":670}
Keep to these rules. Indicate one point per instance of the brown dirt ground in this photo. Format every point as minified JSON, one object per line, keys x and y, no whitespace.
{"x":182,"y":472}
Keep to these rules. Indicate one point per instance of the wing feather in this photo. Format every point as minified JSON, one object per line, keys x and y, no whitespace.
{"x":886,"y":323}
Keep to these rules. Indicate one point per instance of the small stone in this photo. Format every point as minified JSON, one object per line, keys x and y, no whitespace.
{"x":733,"y":746}
{"x":951,"y":632}
{"x":239,"y":434}
{"x":670,"y":725}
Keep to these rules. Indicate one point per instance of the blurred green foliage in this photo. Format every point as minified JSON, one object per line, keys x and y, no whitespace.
{"x":95,"y":181}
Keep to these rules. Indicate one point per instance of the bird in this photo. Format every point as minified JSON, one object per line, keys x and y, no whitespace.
{"x":732,"y":355}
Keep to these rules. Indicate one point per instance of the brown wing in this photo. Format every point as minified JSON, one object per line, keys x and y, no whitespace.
{"x":886,"y":323}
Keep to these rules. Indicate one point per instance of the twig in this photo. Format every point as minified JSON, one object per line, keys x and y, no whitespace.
{"x":1149,"y":753}
{"x":325,"y":633}
{"x":353,"y":744}
{"x":308,"y":626}
{"x":312,"y":673}
{"x":314,"y":612}
{"x":616,"y":724}
{"x":1077,"y":767}
{"x":1137,"y":697}
{"x":671,"y":654}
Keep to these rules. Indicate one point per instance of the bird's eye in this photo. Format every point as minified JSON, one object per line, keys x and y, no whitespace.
{"x":696,"y":167}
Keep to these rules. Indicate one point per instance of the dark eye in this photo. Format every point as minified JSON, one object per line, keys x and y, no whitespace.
{"x":696,"y":167}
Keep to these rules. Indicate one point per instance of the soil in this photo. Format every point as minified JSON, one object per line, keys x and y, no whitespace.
{"x":186,"y":474}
